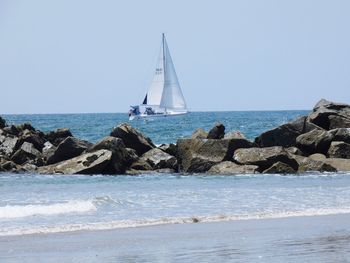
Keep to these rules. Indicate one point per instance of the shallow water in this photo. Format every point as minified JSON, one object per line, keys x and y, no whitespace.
{"x":59,"y":203}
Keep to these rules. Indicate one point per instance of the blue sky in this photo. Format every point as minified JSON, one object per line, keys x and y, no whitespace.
{"x":99,"y":56}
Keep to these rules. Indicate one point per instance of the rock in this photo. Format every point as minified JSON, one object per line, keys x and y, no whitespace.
{"x":88,"y":163}
{"x":217,"y":132}
{"x":133,"y":138}
{"x":196,"y":156}
{"x":294,"y":150}
{"x":58,"y":136}
{"x":2,"y":123}
{"x":25,"y":153}
{"x":141,"y":165}
{"x":279,"y":168}
{"x":317,"y":157}
{"x":339,"y":150}
{"x":286,"y":134}
{"x":310,"y":165}
{"x":11,"y":130}
{"x":121,"y":157}
{"x":169,"y":148}
{"x":48,"y":150}
{"x":8,"y":146}
{"x":234,"y":135}
{"x":342,"y":165}
{"x":315,"y":141}
{"x":330,"y":115}
{"x":32,"y":136}
{"x":138,"y":172}
{"x":264,"y":157}
{"x":67,"y":149}
{"x":341,"y":134}
{"x":9,"y":166}
{"x":228,"y":167}
{"x":199,"y":134}
{"x":158,"y":159}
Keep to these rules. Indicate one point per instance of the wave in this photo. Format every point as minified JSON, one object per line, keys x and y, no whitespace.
{"x":165,"y":221}
{"x":18,"y":211}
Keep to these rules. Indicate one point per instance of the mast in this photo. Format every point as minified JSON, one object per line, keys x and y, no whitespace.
{"x":163,"y":42}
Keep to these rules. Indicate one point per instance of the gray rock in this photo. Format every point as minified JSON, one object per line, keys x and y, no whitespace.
{"x":264,"y":157}
{"x":339,"y":150}
{"x":228,"y":167}
{"x":234,"y":135}
{"x":9,"y":166}
{"x":88,"y":163}
{"x":8,"y":146}
{"x":169,"y":148}
{"x":217,"y":132}
{"x":279,"y":168}
{"x":132,"y":138}
{"x":342,"y":165}
{"x":141,"y":165}
{"x":199,"y":134}
{"x":315,"y":141}
{"x":294,"y":150}
{"x":121,"y":157}
{"x":67,"y":149}
{"x":196,"y":156}
{"x":48,"y":150}
{"x":58,"y":136}
{"x":25,"y":153}
{"x":32,"y":136}
{"x":307,"y":164}
{"x":330,"y":115}
{"x":286,"y":134}
{"x":341,"y":134}
{"x":317,"y":157}
{"x":158,"y":159}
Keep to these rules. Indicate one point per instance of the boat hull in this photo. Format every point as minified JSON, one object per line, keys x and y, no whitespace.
{"x":156,"y":116}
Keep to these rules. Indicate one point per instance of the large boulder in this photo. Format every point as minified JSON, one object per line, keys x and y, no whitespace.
{"x":25,"y":153}
{"x":9,"y":166}
{"x":339,"y":150}
{"x":279,"y":168}
{"x":58,"y":136}
{"x":196,"y":156}
{"x":286,"y":134}
{"x":8,"y":146}
{"x":169,"y":148}
{"x":228,"y":167}
{"x":307,"y":164}
{"x":234,"y":135}
{"x":32,"y":136}
{"x":132,"y":138}
{"x":315,"y":141}
{"x":121,"y":157}
{"x":199,"y":134}
{"x":341,"y":134}
{"x":264,"y":157}
{"x":217,"y":132}
{"x":158,"y":159}
{"x":88,"y":163}
{"x":67,"y":149}
{"x":340,"y":164}
{"x":2,"y":123}
{"x":330,"y":115}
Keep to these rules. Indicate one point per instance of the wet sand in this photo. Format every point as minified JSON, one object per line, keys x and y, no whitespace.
{"x":294,"y":239}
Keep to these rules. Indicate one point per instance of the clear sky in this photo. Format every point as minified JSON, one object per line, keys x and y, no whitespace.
{"x":68,"y":56}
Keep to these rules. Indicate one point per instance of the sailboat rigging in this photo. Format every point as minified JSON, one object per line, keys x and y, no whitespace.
{"x":164,"y":97}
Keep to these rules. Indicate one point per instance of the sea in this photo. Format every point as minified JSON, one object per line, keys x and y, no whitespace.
{"x":43,"y":204}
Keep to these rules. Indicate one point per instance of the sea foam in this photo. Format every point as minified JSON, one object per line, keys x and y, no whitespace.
{"x":74,"y":206}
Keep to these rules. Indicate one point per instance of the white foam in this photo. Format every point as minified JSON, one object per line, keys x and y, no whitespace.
{"x":18,"y":211}
{"x":162,"y":221}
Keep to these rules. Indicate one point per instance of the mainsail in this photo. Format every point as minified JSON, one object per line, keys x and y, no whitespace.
{"x":165,"y":89}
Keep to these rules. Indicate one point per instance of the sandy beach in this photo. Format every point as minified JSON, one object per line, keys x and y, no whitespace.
{"x":294,"y":239}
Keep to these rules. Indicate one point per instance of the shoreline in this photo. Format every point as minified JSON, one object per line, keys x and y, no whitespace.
{"x":266,"y":240}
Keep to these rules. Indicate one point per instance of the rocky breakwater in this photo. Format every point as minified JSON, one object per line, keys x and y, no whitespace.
{"x":317,"y":142}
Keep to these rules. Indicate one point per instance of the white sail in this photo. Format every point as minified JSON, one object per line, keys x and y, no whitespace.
{"x":172,"y":97}
{"x":155,"y":91}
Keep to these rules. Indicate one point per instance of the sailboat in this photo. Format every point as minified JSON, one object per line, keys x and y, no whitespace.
{"x":164,"y":97}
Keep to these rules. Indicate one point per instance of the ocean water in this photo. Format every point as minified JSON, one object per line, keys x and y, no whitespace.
{"x":39,"y":204}
{"x":93,"y":127}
